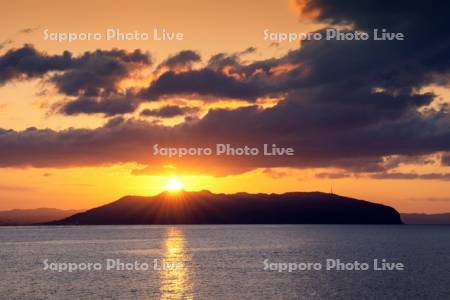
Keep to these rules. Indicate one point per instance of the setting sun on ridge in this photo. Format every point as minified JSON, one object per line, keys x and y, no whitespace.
{"x":174,"y":185}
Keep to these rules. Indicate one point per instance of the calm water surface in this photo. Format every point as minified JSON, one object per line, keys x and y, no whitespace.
{"x":224,"y":262}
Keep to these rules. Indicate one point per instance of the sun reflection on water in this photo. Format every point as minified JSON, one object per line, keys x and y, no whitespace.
{"x":175,"y":280}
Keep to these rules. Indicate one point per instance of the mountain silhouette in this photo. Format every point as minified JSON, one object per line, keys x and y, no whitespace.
{"x":205,"y":207}
{"x":418,"y":218}
{"x":32,"y":216}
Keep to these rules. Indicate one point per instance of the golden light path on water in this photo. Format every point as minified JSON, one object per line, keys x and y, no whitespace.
{"x":175,"y":280}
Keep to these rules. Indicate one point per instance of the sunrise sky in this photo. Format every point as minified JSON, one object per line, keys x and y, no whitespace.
{"x":78,"y":119}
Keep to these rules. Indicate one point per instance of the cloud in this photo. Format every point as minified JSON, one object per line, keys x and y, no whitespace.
{"x":169,"y":111}
{"x":27,"y":62}
{"x":5,"y":43}
{"x":333,"y":175}
{"x":182,"y":59}
{"x":426,"y":176}
{"x":28,"y":30}
{"x":109,"y":106}
{"x":91,"y":79}
{"x":445,"y":160}
{"x":275,"y":174}
{"x":10,"y":40}
{"x":90,"y":74}
{"x":344,"y":104}
{"x":201,"y":82}
{"x":226,"y":76}
{"x":402,"y":14}
{"x":317,"y":144}
{"x":249,"y":50}
{"x":98,"y":73}
{"x":118,"y":141}
{"x":387,"y":175}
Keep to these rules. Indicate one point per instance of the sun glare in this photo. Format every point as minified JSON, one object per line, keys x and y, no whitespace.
{"x":174,"y":185}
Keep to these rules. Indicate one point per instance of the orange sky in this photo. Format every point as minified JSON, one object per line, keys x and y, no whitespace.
{"x":209,"y":27}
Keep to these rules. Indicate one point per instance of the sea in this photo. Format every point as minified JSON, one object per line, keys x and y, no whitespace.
{"x":225,"y":262}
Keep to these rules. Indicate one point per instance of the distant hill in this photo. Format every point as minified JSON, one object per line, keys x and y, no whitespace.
{"x":32,"y":216}
{"x":207,"y":208}
{"x":426,"y":218}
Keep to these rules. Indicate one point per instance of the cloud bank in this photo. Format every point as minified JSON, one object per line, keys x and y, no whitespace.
{"x":345,"y":104}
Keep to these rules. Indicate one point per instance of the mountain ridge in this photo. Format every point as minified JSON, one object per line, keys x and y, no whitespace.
{"x":204,"y":207}
{"x":35,"y":215}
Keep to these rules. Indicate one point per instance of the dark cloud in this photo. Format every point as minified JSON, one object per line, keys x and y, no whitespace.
{"x":201,"y":82}
{"x":183,"y":58}
{"x":98,"y":73}
{"x":249,"y":50}
{"x":401,"y":15}
{"x":409,"y":62}
{"x":118,"y":141}
{"x":316,"y":144}
{"x":75,"y":147}
{"x":92,"y":78}
{"x":90,"y":74}
{"x":27,"y":62}
{"x":393,"y":67}
{"x":222,"y":60}
{"x":224,"y":76}
{"x":345,"y":104}
{"x":169,"y":111}
{"x":427,"y":176}
{"x":109,"y":106}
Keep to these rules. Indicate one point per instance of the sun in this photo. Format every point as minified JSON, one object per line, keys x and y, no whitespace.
{"x":174,"y":185}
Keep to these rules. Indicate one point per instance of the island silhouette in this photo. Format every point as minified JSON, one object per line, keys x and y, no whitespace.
{"x":204,"y":207}
{"x":15,"y":217}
